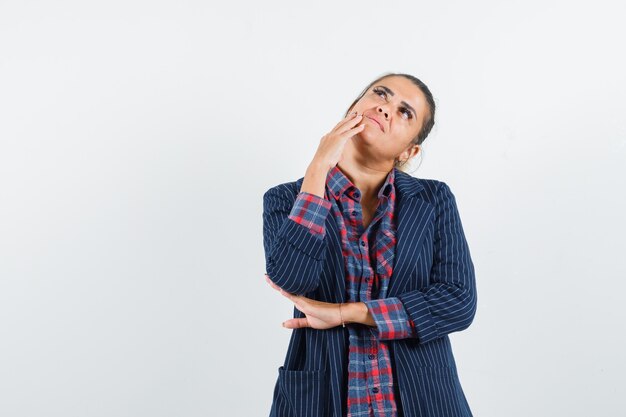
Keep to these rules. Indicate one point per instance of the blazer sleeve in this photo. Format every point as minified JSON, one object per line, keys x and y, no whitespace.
{"x":293,"y":239}
{"x":448,"y":303}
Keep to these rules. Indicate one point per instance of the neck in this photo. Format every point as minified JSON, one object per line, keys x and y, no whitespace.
{"x":367,"y":176}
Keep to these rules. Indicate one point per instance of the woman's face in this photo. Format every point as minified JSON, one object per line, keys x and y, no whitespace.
{"x":393,"y":111}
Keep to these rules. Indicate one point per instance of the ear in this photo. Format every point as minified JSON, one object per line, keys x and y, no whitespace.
{"x":410,"y":152}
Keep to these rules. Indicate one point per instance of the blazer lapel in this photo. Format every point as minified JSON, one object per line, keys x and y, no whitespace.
{"x":411,"y":221}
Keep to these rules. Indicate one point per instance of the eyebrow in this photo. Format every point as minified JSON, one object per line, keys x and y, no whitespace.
{"x":391,"y":93}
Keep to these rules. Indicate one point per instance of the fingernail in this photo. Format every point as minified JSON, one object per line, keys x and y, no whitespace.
{"x":283,"y":324}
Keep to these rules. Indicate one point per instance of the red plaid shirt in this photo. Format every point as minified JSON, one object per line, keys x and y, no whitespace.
{"x":369,"y":255}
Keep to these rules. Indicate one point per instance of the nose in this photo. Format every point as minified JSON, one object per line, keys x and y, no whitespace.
{"x":383,"y":112}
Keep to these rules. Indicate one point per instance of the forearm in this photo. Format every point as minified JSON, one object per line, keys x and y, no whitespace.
{"x":315,"y":179}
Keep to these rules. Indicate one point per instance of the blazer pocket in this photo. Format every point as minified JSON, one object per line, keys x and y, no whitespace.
{"x":304,"y":391}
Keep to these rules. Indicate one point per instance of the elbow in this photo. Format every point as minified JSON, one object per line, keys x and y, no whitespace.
{"x":469,"y":299}
{"x":471,"y":314}
{"x":298,"y":281}
{"x":468,"y":312}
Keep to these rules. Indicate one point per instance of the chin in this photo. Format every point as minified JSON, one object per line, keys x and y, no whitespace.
{"x":367,"y":136}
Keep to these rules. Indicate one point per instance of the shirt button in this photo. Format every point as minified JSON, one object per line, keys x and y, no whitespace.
{"x":354,"y":213}
{"x":374,"y":390}
{"x":336,"y":192}
{"x":371,"y":356}
{"x":356,"y":195}
{"x":362,"y":243}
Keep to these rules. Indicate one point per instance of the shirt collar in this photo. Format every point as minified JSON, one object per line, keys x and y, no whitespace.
{"x":338,"y":184}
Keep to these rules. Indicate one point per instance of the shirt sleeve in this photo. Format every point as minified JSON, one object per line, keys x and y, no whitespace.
{"x":311,"y":210}
{"x":391,"y":319}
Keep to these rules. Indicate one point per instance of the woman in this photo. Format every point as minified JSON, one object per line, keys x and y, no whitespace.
{"x":377,"y":265}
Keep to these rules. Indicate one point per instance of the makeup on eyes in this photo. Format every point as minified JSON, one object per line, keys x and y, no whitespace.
{"x":386,"y":91}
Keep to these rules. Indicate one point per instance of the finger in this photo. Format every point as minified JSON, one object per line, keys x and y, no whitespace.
{"x":298,"y":300}
{"x":272,"y":283}
{"x":293,"y":297}
{"x":349,"y":124}
{"x":296,"y":323}
{"x":352,"y":118}
{"x":351,"y":132}
{"x":342,"y":125}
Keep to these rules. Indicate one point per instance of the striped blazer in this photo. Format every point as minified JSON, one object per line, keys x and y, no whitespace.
{"x":433,"y":276}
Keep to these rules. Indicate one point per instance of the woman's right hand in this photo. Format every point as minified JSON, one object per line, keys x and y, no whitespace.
{"x":330,"y":149}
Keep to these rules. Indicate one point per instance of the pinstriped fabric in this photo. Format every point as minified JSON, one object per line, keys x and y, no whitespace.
{"x":433,"y":277}
{"x":304,"y":391}
{"x":448,"y":304}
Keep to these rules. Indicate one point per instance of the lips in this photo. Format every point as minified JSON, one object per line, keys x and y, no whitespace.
{"x":377,"y":122}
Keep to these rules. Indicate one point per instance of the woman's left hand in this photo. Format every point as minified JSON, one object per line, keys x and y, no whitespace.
{"x":319,"y":315}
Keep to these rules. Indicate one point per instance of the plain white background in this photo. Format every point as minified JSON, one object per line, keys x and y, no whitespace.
{"x":138,"y":137}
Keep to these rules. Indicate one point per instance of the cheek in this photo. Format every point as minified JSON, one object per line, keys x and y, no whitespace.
{"x":411,"y":133}
{"x":365,"y":103}
{"x":403,"y":133}
{"x":401,"y":139}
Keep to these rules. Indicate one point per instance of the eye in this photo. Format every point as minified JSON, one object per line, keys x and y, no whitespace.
{"x":379,"y":92}
{"x":383,"y":94}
